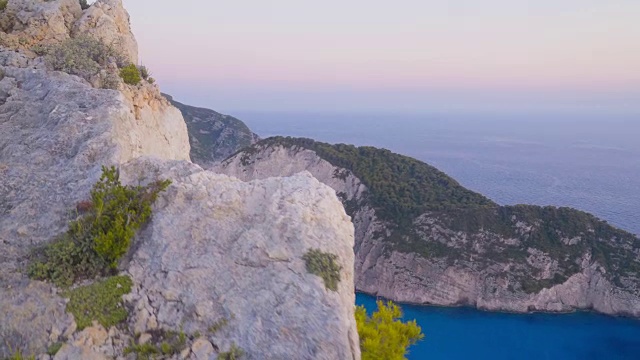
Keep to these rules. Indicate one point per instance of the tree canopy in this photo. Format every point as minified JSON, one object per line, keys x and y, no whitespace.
{"x":383,"y":335}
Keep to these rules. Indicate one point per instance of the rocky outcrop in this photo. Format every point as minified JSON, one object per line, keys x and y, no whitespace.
{"x":27,"y":23}
{"x":108,"y":21}
{"x":216,"y":248}
{"x":219,"y":249}
{"x":442,"y":262}
{"x":213,"y":136}
{"x":56,"y":132}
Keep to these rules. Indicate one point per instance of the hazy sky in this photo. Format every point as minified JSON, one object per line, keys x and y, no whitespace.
{"x":405,"y":55}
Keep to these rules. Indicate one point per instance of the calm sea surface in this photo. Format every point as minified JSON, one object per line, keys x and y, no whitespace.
{"x":590,"y":163}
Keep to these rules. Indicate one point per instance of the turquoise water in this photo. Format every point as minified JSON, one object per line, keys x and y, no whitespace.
{"x":463,"y":333}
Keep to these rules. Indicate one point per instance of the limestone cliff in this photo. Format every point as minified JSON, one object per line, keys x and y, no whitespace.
{"x":422,"y":238}
{"x":213,"y":136}
{"x":216,"y":248}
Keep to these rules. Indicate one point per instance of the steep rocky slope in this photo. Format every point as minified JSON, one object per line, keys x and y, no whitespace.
{"x":214,"y":136}
{"x":217,"y":253}
{"x":422,"y":238}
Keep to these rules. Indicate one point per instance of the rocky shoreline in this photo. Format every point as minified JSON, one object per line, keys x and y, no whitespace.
{"x":406,"y":276}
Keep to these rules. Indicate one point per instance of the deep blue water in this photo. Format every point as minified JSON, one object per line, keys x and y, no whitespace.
{"x":460,"y":333}
{"x":590,"y":163}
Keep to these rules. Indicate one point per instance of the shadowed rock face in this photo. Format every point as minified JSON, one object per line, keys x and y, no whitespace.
{"x":213,"y":136}
{"x":490,"y":257}
{"x":216,"y":248}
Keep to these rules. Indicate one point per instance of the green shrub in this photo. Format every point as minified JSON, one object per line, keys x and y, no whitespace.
{"x":166,"y":348}
{"x":96,"y":241}
{"x":17,"y":355}
{"x":170,"y":343}
{"x":325,"y":266}
{"x":218,"y":325}
{"x":84,"y":5}
{"x":143,"y":351}
{"x":234,"y":353}
{"x":144,"y":72}
{"x":66,"y":259}
{"x":54,"y":348}
{"x":130,"y":74}
{"x":83,"y":55}
{"x":101,"y":301}
{"x":3,"y":4}
{"x":383,"y":335}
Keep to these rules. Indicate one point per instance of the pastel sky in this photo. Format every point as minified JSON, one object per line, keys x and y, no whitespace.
{"x":405,"y":55}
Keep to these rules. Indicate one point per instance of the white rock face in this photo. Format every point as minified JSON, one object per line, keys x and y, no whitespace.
{"x":56,"y":132}
{"x":278,"y":161}
{"x":219,"y":248}
{"x":26,"y":23}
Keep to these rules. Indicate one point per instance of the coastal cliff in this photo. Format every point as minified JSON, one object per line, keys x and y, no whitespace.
{"x":422,"y":238}
{"x":220,"y":265}
{"x":213,"y":136}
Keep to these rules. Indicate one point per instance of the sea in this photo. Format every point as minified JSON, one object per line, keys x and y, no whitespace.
{"x":589,"y":162}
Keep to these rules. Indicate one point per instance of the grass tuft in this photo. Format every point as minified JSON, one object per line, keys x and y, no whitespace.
{"x":101,"y":301}
{"x":325,"y":266}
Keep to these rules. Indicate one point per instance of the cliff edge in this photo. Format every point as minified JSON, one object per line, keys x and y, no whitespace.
{"x":219,"y":268}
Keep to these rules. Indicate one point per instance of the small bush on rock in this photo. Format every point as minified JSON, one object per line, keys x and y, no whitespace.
{"x":234,"y":353}
{"x":130,"y":74}
{"x":96,"y":241}
{"x":143,"y":351}
{"x":144,"y":72}
{"x":163,"y":342}
{"x":3,"y":4}
{"x":101,"y":301}
{"x":19,"y":356}
{"x":325,"y":266}
{"x":54,"y":348}
{"x":83,"y":55}
{"x":384,"y":335}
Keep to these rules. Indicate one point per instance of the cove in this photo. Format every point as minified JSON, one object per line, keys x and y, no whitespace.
{"x":466,"y":333}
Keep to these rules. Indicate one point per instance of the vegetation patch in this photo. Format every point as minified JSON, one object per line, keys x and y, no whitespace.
{"x":383,"y":335}
{"x":101,"y":301}
{"x":401,"y":187}
{"x":163,"y":343}
{"x":218,"y":325}
{"x":234,"y":353}
{"x":84,"y":5}
{"x":17,"y":355}
{"x":3,"y":4}
{"x":144,"y":72}
{"x":101,"y":236}
{"x":83,"y":56}
{"x":143,"y":351}
{"x":54,"y":348}
{"x":130,"y":75}
{"x":324,"y":265}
